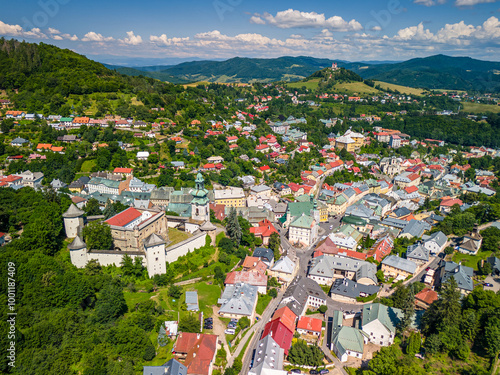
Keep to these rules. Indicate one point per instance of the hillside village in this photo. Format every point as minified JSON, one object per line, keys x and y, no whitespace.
{"x":272,"y":239}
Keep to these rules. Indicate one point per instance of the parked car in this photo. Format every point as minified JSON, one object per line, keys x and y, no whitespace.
{"x":229,"y":331}
{"x":427,"y":269}
{"x":295,"y":371}
{"x":313,"y":372}
{"x":324,"y":371}
{"x":488,"y":284}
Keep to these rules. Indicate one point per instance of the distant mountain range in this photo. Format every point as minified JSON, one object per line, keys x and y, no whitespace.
{"x":434,"y":72}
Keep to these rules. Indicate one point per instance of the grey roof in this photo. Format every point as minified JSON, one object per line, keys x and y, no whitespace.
{"x":402,"y":211}
{"x":238,"y":299}
{"x":284,"y":265}
{"x":261,"y":252}
{"x":438,"y":237}
{"x":325,"y":266}
{"x":73,"y":212}
{"x":153,"y":240}
{"x":77,"y":244}
{"x":19,"y":140}
{"x":495,"y":263}
{"x":396,"y":223}
{"x":268,"y":355}
{"x":172,"y":367}
{"x":192,"y":300}
{"x":415,"y":228}
{"x":58,"y":184}
{"x":348,"y":288}
{"x":400,"y":263}
{"x":260,"y":188}
{"x":461,"y":274}
{"x":418,"y":252}
{"x":299,"y":290}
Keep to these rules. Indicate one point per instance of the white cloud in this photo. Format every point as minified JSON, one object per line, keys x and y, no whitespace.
{"x":414,"y":33}
{"x":132,"y":39}
{"x":291,"y":18}
{"x":429,"y":3}
{"x":56,"y":35}
{"x":257,"y":20}
{"x":95,"y":37}
{"x":463,"y":3}
{"x":164,"y":40}
{"x":16,"y":30}
{"x":376,"y":28}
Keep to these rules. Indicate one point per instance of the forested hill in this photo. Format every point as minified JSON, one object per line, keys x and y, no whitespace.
{"x":43,"y":73}
{"x":436,"y":72}
{"x":240,"y":69}
{"x":153,"y":73}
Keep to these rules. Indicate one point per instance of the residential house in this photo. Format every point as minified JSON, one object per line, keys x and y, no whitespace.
{"x":105,"y":186}
{"x":396,"y":267}
{"x":414,"y":228}
{"x":142,"y":155}
{"x":346,"y":290}
{"x":471,"y":242}
{"x":284,"y":270}
{"x":268,"y":358}
{"x":281,"y":333}
{"x":382,"y":247}
{"x":325,"y":268}
{"x":265,"y":255}
{"x":309,"y":326}
{"x":425,"y":298}
{"x":31,"y":179}
{"x":435,"y":242}
{"x":379,"y":323}
{"x":264,"y":231}
{"x":418,"y":254}
{"x":346,"y":341}
{"x":238,"y":301}
{"x":196,"y":351}
{"x":123,"y":172}
{"x":172,"y":367}
{"x":461,"y":274}
{"x":302,"y":294}
{"x":253,"y":277}
{"x":19,"y":142}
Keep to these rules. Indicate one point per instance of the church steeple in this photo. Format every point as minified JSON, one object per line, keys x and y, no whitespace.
{"x":199,"y":205}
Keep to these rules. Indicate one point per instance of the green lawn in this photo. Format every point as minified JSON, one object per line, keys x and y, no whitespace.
{"x":177,"y":236}
{"x":401,"y":89}
{"x":87,"y":165}
{"x":470,"y":260}
{"x":262,"y":303}
{"x":311,"y":84}
{"x":480,"y":108}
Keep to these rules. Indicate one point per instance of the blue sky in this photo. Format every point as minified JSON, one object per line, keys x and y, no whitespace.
{"x":347,"y":30}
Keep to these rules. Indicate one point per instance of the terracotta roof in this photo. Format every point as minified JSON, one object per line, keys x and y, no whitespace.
{"x":309,"y":324}
{"x":200,"y":349}
{"x":286,"y":316}
{"x":451,"y":202}
{"x":427,"y":295}
{"x":411,"y":189}
{"x":252,"y":277}
{"x":252,"y":263}
{"x":124,"y":217}
{"x":123,"y":170}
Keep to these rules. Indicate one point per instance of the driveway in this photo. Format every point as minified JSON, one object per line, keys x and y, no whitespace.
{"x":219,"y":328}
{"x":495,"y":280}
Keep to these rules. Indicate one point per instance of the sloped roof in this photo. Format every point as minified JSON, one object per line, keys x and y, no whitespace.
{"x":400,"y":263}
{"x":286,"y":316}
{"x":153,"y":240}
{"x":417,"y":251}
{"x":427,"y":295}
{"x":461,"y":274}
{"x":124,"y":217}
{"x":77,"y":244}
{"x":73,"y":212}
{"x":252,"y":277}
{"x":284,"y":265}
{"x":388,"y":316}
{"x":438,"y":237}
{"x":238,"y":299}
{"x":172,"y":367}
{"x":348,"y":288}
{"x":200,"y":349}
{"x":309,"y":324}
{"x":347,"y":338}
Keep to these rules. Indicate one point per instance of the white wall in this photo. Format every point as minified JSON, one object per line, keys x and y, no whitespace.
{"x":184,"y":247}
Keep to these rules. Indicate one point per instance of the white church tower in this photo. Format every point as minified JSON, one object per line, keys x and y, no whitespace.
{"x":78,"y":252}
{"x":154,"y":247}
{"x":73,"y":221}
{"x":200,"y":210}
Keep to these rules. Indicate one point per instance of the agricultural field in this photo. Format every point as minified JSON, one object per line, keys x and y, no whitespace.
{"x":354,"y":88}
{"x":480,"y":108}
{"x":311,"y":84}
{"x":401,"y":89}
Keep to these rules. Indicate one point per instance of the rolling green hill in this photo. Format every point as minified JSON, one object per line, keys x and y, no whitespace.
{"x":152,"y":73}
{"x":436,"y":72}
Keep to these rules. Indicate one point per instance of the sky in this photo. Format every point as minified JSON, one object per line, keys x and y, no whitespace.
{"x":127,"y":32}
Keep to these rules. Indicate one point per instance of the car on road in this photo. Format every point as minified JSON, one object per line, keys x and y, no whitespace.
{"x":488,"y":284}
{"x":331,"y":227}
{"x":295,"y":371}
{"x":427,"y":269}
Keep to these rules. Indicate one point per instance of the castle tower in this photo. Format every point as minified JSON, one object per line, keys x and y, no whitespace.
{"x":154,"y":247}
{"x":200,"y":209}
{"x":73,"y":221}
{"x":78,"y":252}
{"x":210,"y":230}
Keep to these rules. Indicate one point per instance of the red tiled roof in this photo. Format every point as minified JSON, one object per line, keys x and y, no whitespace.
{"x":286,"y":316}
{"x":124,"y":217}
{"x":450,"y":202}
{"x":200,"y":349}
{"x":123,"y":170}
{"x":280,"y":333}
{"x":252,"y":277}
{"x":265,"y":168}
{"x":309,"y":324}
{"x":427,"y":295}
{"x":411,"y":189}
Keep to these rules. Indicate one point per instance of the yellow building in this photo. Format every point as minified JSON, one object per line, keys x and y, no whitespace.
{"x":231,"y":197}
